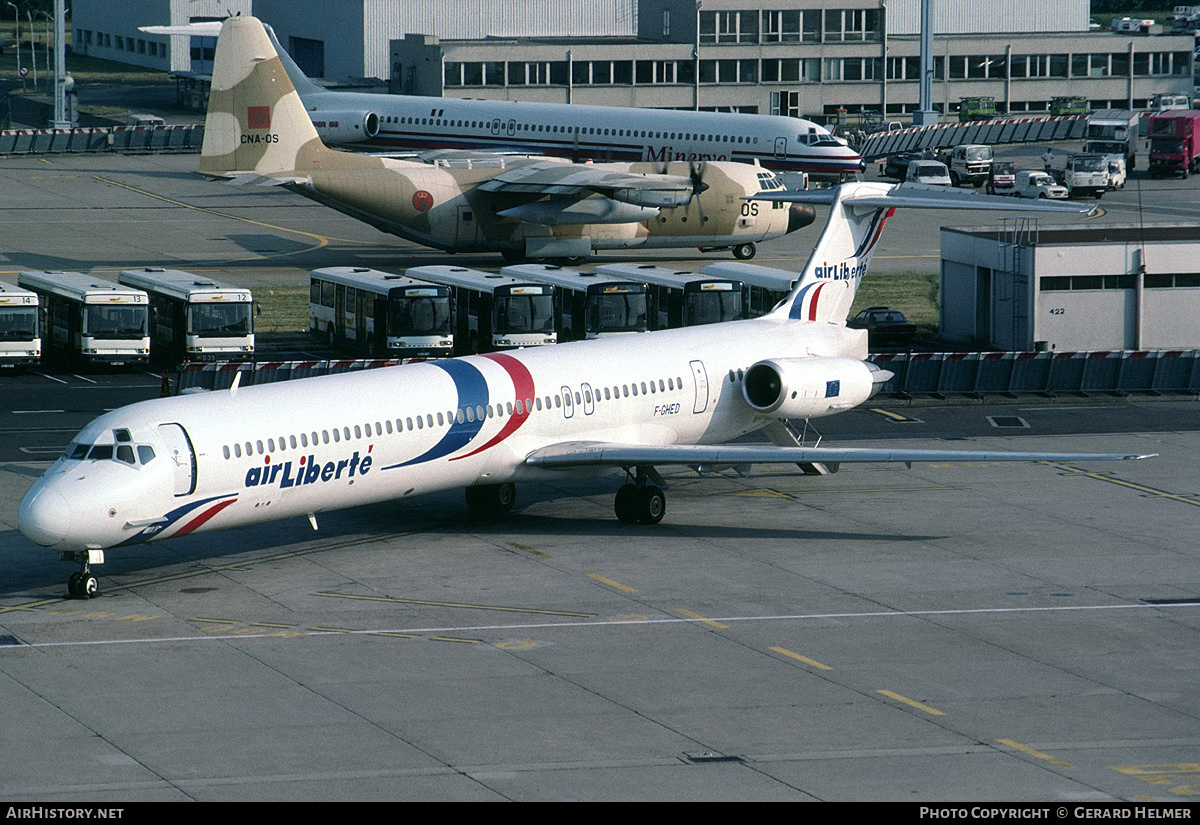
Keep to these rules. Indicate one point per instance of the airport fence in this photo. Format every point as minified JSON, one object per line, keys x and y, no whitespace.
{"x":219,"y":375}
{"x":914,"y":374}
{"x":179,"y":138}
{"x":978,"y":374}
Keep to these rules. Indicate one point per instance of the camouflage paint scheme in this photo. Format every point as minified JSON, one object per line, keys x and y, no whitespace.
{"x":258,"y":127}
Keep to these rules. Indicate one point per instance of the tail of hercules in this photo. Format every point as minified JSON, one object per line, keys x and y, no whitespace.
{"x":256,"y":121}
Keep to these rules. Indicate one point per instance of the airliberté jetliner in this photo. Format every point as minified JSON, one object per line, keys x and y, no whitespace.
{"x":578,"y":132}
{"x":462,"y":201}
{"x":173,"y":466}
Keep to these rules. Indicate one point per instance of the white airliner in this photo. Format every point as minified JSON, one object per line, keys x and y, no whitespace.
{"x":602,"y":133}
{"x":173,"y":466}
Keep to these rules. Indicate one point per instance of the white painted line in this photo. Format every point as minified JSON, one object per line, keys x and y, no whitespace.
{"x":51,"y":377}
{"x":35,"y":412}
{"x":81,"y":378}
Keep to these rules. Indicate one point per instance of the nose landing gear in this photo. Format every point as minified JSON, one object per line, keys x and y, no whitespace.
{"x":83,"y":584}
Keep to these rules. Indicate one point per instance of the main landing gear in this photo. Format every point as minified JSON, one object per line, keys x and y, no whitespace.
{"x":491,"y":500}
{"x":640,"y":502}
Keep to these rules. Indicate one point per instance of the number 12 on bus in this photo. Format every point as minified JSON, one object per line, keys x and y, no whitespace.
{"x":194,"y":318}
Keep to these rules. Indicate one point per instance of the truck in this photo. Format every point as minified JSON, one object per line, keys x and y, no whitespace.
{"x":1068,"y":105}
{"x":976,"y":108}
{"x":1113,"y":132}
{"x":1175,"y":143}
{"x":1084,"y":175}
{"x":969,"y":163}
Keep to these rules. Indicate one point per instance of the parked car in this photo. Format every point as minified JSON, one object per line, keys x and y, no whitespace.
{"x":1034,"y":184}
{"x":884,"y":325}
{"x":928,"y":172}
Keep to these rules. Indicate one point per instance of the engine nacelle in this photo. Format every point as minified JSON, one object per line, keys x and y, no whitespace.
{"x":345,"y":127}
{"x":810,"y":387}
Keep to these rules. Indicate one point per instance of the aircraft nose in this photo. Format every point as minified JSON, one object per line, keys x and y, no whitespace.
{"x":800,"y":215}
{"x":44,"y":517}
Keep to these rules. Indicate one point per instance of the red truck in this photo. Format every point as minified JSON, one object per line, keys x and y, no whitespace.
{"x":1175,"y":143}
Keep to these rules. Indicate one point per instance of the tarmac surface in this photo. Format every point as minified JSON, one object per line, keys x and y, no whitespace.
{"x":950,"y":632}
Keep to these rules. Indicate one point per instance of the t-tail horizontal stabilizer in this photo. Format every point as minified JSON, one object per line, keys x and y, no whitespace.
{"x":874,"y":195}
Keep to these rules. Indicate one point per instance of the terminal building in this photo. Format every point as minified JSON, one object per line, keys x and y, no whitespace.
{"x":811,"y":58}
{"x":1019,"y":287}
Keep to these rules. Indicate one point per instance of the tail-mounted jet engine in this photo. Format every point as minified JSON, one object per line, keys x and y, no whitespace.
{"x":810,"y":387}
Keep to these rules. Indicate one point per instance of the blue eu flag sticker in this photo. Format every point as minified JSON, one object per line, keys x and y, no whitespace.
{"x":833,"y":389}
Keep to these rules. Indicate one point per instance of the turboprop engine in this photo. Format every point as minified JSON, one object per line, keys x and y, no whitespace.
{"x":343,"y":127}
{"x":810,"y":387}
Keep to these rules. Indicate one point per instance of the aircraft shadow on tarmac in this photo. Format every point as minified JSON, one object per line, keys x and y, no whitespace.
{"x":35,"y":571}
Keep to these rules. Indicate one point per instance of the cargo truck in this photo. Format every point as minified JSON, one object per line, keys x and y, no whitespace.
{"x":1175,"y":143}
{"x":1085,"y":175}
{"x":1113,"y":132}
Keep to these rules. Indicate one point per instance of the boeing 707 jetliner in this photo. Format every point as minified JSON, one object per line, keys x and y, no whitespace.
{"x":174,"y":466}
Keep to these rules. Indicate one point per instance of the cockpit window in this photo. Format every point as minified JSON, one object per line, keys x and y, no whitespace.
{"x":122,"y":436}
{"x":133,"y":454}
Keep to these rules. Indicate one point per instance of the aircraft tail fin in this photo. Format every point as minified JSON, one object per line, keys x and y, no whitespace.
{"x":256,"y":122}
{"x":857,"y":214}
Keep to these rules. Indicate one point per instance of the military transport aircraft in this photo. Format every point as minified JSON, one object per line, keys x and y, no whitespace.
{"x":521,"y":206}
{"x":172,"y":466}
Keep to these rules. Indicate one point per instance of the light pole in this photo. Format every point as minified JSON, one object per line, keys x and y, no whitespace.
{"x":32,"y":49}
{"x":17,"y":21}
{"x":49,"y":20}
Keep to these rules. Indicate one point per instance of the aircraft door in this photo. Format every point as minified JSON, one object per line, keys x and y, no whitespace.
{"x":701,"y":378}
{"x":467,"y":230}
{"x":182,"y":456}
{"x":512,"y":128}
{"x":497,"y":125}
{"x":781,"y":147}
{"x":568,"y":403}
{"x":589,"y":404}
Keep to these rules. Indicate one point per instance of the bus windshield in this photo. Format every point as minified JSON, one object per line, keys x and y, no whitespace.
{"x":712,"y":307}
{"x":18,"y":323}
{"x":419,"y":315}
{"x":116,"y":322}
{"x":219,"y":320}
{"x":513,"y":314}
{"x":617,"y":312}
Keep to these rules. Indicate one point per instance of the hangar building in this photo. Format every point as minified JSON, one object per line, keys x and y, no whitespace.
{"x":1019,"y":287}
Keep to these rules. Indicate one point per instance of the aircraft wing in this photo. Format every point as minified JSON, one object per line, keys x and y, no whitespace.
{"x":576,"y":454}
{"x":583,"y":179}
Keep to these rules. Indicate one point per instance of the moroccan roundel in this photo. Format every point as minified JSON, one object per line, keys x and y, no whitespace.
{"x":422,"y":200}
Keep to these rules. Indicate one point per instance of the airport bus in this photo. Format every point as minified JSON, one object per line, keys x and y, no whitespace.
{"x":88,"y":320}
{"x":20,"y":343}
{"x":765,"y":286}
{"x":587,"y":305}
{"x":685,"y":299}
{"x":494,"y":312}
{"x":193,"y":318}
{"x":379,"y":314}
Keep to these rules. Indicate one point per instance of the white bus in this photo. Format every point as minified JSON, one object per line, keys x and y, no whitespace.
{"x":379,"y":314}
{"x":20,"y":343}
{"x":685,"y":299}
{"x":494,"y":312}
{"x":587,"y":305}
{"x":765,"y":286}
{"x":194,"y":318}
{"x":89,"y":320}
